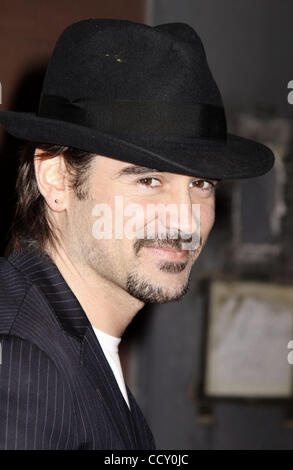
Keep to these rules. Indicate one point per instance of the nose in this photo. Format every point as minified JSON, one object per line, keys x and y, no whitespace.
{"x":183,"y":217}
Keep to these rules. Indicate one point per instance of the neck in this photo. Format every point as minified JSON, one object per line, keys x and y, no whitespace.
{"x":108,"y":306}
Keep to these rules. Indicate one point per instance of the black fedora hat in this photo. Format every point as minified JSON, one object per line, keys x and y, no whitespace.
{"x":140,"y":94}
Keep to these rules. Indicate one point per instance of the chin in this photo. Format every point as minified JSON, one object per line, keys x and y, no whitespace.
{"x":149,"y":291}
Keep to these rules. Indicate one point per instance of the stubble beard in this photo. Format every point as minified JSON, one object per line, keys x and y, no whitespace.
{"x":148,"y":292}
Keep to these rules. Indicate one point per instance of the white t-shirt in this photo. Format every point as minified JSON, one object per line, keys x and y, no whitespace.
{"x":109,"y":344}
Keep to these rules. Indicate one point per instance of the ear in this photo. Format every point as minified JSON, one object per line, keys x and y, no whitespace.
{"x":51,"y":178}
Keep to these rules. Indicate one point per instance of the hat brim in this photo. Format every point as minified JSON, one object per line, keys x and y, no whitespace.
{"x":236,"y":158}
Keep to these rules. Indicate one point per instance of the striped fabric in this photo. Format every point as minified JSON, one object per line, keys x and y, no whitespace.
{"x":57,"y":389}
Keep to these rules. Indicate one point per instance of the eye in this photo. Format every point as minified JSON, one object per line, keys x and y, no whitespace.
{"x":149,"y":181}
{"x":204,"y":185}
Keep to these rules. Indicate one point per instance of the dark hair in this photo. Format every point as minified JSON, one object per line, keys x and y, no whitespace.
{"x":31,"y":219}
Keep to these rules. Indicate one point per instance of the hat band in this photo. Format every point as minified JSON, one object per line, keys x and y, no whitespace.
{"x":144,"y":117}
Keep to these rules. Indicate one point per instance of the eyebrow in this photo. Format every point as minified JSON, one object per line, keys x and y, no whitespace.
{"x":142,"y":170}
{"x":137,"y":170}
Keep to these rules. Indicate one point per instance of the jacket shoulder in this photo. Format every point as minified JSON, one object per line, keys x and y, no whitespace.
{"x":14,"y":286}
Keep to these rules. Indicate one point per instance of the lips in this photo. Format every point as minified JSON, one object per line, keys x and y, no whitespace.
{"x":169,"y":253}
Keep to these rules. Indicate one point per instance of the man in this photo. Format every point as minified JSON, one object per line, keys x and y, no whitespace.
{"x":129,"y":116}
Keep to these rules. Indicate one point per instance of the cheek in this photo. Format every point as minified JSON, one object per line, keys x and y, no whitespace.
{"x":207,"y":217}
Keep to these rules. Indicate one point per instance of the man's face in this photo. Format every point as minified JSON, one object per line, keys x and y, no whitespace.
{"x":134,"y":257}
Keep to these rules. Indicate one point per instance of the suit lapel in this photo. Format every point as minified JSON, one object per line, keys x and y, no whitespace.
{"x":102,"y":377}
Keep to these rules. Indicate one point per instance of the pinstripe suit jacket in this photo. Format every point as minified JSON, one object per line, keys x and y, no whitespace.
{"x":57,"y":390}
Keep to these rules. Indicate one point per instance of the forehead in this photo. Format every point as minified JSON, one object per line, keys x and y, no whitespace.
{"x":120,"y":166}
{"x":119,"y":169}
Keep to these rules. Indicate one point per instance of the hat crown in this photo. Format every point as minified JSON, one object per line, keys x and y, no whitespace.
{"x":108,"y":60}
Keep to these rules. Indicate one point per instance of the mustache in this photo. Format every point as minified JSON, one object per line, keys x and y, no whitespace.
{"x":166,"y":243}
